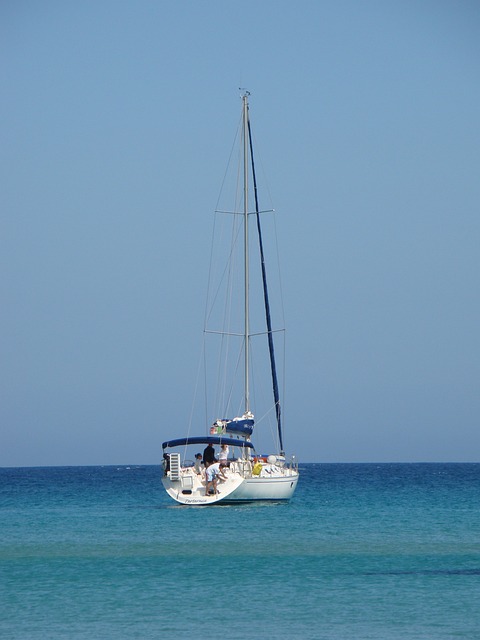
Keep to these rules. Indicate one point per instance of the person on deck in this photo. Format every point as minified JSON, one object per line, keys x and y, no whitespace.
{"x":223,"y":455}
{"x":215,"y":471}
{"x":198,"y":464}
{"x":209,"y":455}
{"x":166,"y":463}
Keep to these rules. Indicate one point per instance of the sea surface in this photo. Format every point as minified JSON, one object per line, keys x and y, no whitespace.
{"x":363,"y":551}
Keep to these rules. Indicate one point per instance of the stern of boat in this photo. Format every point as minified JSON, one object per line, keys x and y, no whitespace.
{"x":185,"y":486}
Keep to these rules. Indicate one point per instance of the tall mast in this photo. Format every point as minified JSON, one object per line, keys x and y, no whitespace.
{"x":245,"y":243}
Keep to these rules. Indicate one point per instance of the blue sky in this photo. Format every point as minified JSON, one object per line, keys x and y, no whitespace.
{"x":117,"y":121}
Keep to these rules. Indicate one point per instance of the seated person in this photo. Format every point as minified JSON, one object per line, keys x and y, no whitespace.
{"x":198,"y":465}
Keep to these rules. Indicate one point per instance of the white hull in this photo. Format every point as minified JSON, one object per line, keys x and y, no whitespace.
{"x":189,"y":488}
{"x":252,"y":489}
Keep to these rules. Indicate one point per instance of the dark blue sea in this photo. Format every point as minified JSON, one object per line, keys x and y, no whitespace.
{"x":363,"y":551}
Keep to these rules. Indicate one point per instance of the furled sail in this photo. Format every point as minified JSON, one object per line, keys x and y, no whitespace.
{"x":276,"y":395}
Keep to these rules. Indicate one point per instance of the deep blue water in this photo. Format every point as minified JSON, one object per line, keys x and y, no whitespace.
{"x":368,"y":551}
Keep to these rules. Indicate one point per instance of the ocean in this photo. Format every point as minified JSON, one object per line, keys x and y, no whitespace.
{"x":362,"y":551}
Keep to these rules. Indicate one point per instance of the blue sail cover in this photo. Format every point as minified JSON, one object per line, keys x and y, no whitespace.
{"x":241,"y":427}
{"x":238,"y":426}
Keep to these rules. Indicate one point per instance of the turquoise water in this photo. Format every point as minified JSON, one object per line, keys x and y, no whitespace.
{"x":361,"y":552}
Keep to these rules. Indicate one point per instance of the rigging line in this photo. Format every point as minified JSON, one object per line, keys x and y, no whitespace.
{"x":195,"y":392}
{"x":284,"y":376}
{"x":226,"y":285}
{"x":227,"y":168}
{"x":242,"y":213}
{"x":267,"y":186}
{"x":227,"y":320}
{"x":266,"y":333}
{"x":220,"y":381}
{"x":227,"y":399}
{"x":225,"y":333}
{"x":264,"y":173}
{"x":234,"y":240}
{"x":267,"y":304}
{"x":241,"y":335}
{"x":201,"y":358}
{"x":280,"y":281}
{"x":226,"y":271}
{"x":279,"y":271}
{"x":224,"y":342}
{"x":205,"y":386}
{"x":224,"y":351}
{"x":210,"y":277}
{"x":272,"y":428}
{"x":237,"y":369}
{"x":260,"y":400}
{"x":233,"y":147}
{"x":197,"y":379}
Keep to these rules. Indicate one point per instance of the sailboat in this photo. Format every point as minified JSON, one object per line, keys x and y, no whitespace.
{"x":245,"y":475}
